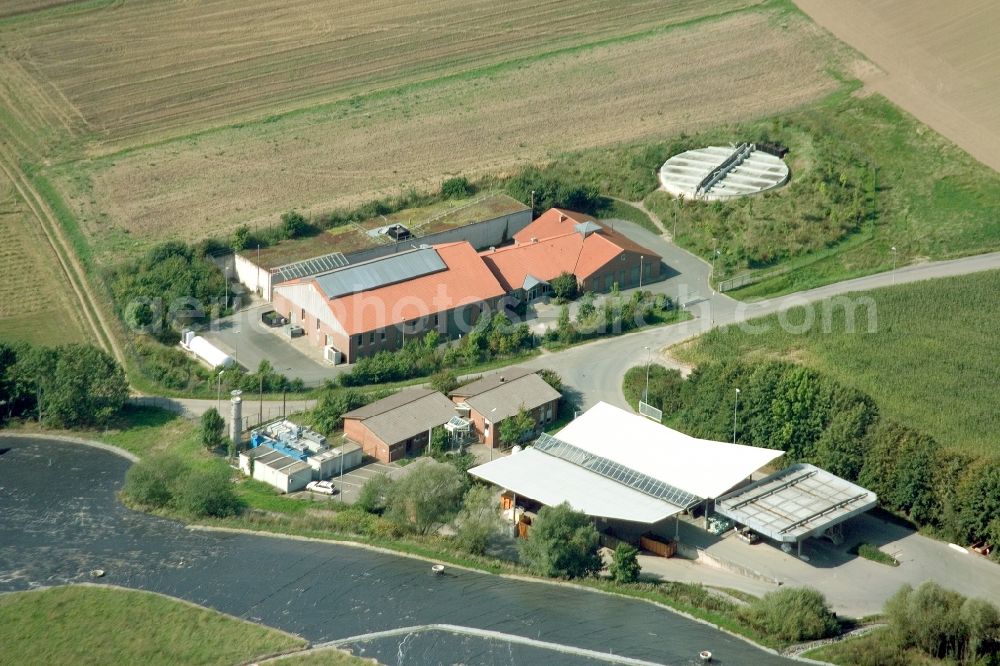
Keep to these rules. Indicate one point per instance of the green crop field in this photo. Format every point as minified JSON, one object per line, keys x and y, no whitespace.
{"x":931,"y":361}
{"x":84,"y":624}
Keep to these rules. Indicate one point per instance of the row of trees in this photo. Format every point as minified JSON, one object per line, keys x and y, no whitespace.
{"x":69,"y":386}
{"x":492,"y":337}
{"x":615,"y":315}
{"x":818,"y":420}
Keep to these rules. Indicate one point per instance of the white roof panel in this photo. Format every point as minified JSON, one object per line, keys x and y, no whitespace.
{"x":796,"y":503}
{"x":701,"y":467}
{"x":551,"y":481}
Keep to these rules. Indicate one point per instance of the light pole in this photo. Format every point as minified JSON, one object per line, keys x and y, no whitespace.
{"x":532,"y":204}
{"x":402,"y":331}
{"x":645,"y":395}
{"x":492,"y":425}
{"x":715,"y":255}
{"x":735,"y":405}
{"x":893,"y":248}
{"x":218,"y":393}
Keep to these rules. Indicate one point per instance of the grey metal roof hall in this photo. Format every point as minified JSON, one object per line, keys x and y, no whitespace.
{"x":491,"y":381}
{"x":503,"y":394}
{"x":796,"y":503}
{"x":307,"y":267}
{"x":406,"y":414}
{"x":380,"y":272}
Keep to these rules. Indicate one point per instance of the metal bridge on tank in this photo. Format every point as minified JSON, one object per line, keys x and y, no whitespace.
{"x":719,"y":172}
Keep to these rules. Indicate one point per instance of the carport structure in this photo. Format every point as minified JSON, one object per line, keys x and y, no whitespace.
{"x":796,"y":503}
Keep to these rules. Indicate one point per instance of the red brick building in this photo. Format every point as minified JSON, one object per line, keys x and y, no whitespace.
{"x":501,"y":395}
{"x":400,"y":425}
{"x":364,"y":308}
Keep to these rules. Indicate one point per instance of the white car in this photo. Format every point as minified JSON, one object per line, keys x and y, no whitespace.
{"x":324,"y":487}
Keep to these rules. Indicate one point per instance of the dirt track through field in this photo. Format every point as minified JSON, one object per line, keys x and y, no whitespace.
{"x":940,"y":61}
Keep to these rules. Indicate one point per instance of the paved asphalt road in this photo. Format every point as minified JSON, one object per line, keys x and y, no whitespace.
{"x":595,"y":370}
{"x":61,"y":519}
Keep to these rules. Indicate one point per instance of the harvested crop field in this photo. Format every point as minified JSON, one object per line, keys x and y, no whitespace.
{"x":938,"y":60}
{"x":35,"y":304}
{"x":341,"y":154}
{"x":129,"y":72}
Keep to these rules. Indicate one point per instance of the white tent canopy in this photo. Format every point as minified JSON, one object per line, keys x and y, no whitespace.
{"x":642,"y":448}
{"x":552,"y":481}
{"x":701,"y":467}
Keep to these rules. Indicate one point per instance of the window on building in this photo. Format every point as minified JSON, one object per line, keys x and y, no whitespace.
{"x":317,"y":323}
{"x":359,"y":340}
{"x":329,"y":340}
{"x":371,"y":338}
{"x":623,"y":256}
{"x":635,"y":275}
{"x":435,"y":320}
{"x":302,"y":314}
{"x":382,"y":335}
{"x":647,"y":268}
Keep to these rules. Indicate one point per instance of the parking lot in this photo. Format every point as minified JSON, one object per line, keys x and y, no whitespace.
{"x":249,"y":341}
{"x":349,"y":486}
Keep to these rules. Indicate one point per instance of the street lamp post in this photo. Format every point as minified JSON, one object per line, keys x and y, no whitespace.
{"x":735,"y":405}
{"x":218,"y":393}
{"x":715,"y":255}
{"x":645,"y":395}
{"x":893,"y":264}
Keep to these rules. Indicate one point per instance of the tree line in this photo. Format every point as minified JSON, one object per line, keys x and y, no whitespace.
{"x":491,"y":338}
{"x":815,"y":419}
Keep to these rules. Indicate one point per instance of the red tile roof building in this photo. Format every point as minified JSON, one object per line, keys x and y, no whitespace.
{"x":562,"y":241}
{"x":363,"y":308}
{"x":444,"y":288}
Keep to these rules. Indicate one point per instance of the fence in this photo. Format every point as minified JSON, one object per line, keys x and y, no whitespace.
{"x":745,"y":279}
{"x":255,"y":413}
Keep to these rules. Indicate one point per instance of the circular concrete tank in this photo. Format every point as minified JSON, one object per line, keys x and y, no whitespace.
{"x":716,"y":173}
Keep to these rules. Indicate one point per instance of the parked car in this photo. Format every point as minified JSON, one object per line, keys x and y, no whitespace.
{"x":273,"y":319}
{"x":322,"y":487}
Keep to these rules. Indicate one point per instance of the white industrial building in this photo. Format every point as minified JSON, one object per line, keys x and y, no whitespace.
{"x":288,"y":456}
{"x":276,"y":469}
{"x":612,"y":464}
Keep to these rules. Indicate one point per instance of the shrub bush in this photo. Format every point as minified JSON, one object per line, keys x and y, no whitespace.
{"x":457,"y":188}
{"x":793,"y":614}
{"x":150,"y":482}
{"x":426,"y":498}
{"x":478,"y":521}
{"x":562,"y":543}
{"x":207,"y":492}
{"x":374,"y":494}
{"x":624,"y":566}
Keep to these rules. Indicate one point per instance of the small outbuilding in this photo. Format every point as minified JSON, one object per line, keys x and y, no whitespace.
{"x":285,"y":473}
{"x":494,"y":398}
{"x":400,"y":425}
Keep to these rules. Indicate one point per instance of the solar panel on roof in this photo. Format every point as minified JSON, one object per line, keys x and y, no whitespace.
{"x":616,"y":472}
{"x":381,"y":272}
{"x":314,"y":266}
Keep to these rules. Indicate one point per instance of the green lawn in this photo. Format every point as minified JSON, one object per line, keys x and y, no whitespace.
{"x":931,"y":362}
{"x":97,"y":625}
